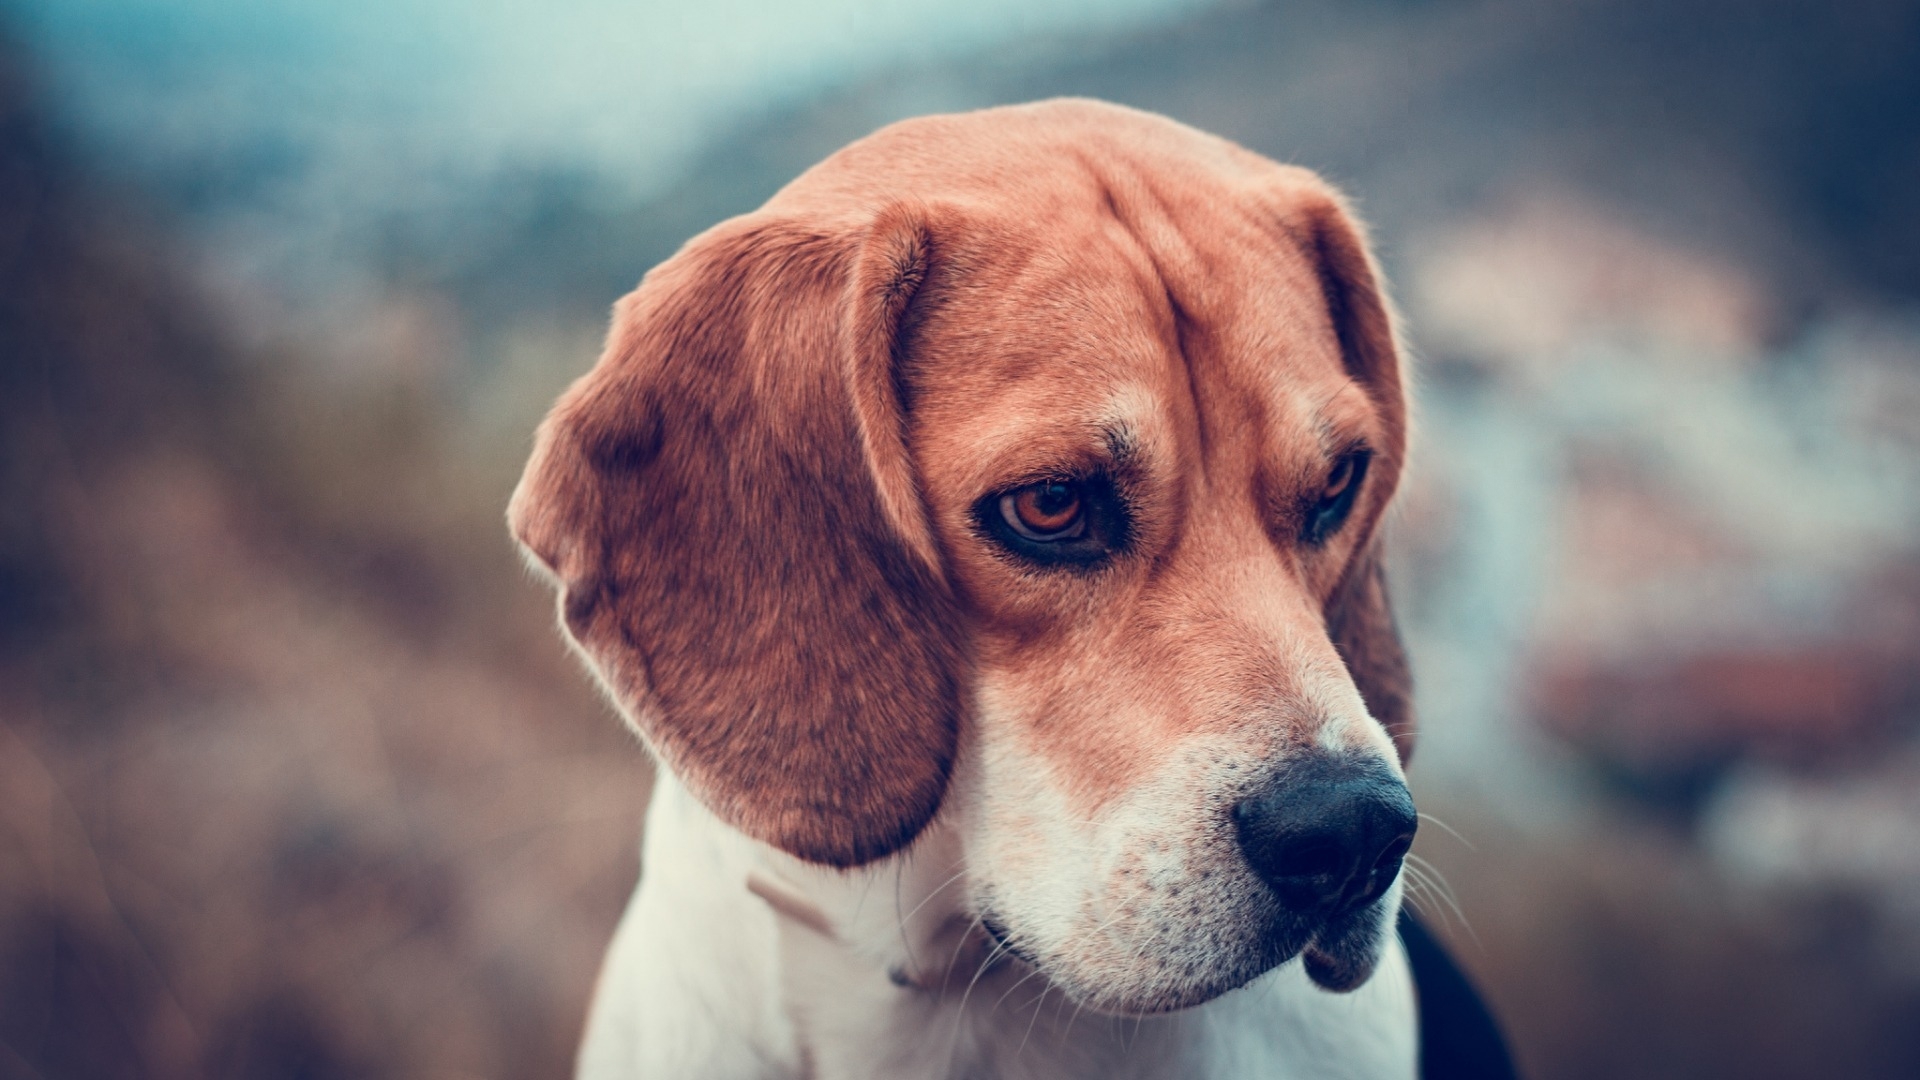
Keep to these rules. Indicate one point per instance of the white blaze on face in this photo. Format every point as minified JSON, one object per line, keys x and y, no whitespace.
{"x":1144,"y":902}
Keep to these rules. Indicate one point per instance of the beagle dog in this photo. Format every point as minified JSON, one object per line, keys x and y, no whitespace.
{"x":983,"y":535}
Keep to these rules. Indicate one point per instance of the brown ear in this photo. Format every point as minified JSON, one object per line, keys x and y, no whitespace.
{"x":737,"y":535}
{"x":1359,"y":615}
{"x":1360,"y":621}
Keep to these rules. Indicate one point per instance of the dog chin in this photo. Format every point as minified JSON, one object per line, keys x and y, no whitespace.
{"x":1163,"y":1000}
{"x":1111,"y":996}
{"x":1339,"y":957}
{"x":1343,"y":956}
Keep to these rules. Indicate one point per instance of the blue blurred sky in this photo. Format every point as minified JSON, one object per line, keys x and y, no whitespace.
{"x":626,"y":88}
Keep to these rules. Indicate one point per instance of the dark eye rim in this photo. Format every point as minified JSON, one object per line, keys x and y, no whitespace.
{"x":1107,"y":525}
{"x":1324,"y":516}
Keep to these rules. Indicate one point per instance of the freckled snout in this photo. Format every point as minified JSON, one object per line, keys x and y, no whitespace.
{"x":1329,"y":834}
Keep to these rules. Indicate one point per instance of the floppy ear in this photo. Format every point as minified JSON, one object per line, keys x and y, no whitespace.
{"x":1360,"y":621}
{"x":740,"y":547}
{"x":1359,"y":615}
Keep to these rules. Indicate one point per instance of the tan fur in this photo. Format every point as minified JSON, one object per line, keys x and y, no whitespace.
{"x":759,"y":505}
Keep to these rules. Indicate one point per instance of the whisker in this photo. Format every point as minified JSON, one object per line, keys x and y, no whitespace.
{"x":900,"y":921}
{"x":1428,"y":898}
{"x":1431,"y":874}
{"x":1444,"y":891}
{"x":1450,"y":830}
{"x":960,"y":1014}
{"x":1420,"y":895}
{"x":998,"y":949}
{"x":1421,"y":886}
{"x":1078,"y":1007}
{"x":965,"y":936}
{"x":1022,"y":1048}
{"x":1060,"y":1005}
{"x":1018,"y":983}
{"x":942,"y":887}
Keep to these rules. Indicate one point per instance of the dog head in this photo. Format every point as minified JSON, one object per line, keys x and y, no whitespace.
{"x":1023,"y":467}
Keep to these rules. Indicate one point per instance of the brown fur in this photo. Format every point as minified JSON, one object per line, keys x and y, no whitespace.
{"x":758,"y":505}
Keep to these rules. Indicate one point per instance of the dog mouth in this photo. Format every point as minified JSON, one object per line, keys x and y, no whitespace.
{"x":1004,"y":943}
{"x":1339,"y":954}
{"x":1342,"y":956}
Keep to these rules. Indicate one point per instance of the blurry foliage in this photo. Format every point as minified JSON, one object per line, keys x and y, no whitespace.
{"x":295,"y":779}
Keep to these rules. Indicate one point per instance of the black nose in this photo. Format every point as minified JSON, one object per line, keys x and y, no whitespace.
{"x":1329,"y":834}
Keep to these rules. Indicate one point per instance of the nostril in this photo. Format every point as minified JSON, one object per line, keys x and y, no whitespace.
{"x":1395,"y":853}
{"x":1385,"y":868}
{"x":1311,"y":860}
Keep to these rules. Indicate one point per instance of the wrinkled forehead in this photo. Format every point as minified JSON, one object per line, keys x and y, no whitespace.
{"x":1097,"y":335}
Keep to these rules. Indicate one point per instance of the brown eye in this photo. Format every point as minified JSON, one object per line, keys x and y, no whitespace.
{"x":1073,"y":524}
{"x":1045,"y":512}
{"x":1327,"y":513}
{"x":1339,"y":480}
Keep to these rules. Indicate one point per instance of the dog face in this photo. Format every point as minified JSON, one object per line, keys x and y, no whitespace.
{"x":1049,"y":442}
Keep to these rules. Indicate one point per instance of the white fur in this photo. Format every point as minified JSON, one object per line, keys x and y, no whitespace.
{"x":1148,"y":897}
{"x":706,"y":978}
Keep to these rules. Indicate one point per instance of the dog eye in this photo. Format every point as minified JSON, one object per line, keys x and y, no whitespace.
{"x":1340,"y":479}
{"x":1045,"y":513}
{"x":1336,"y":499}
{"x":1073,"y":523}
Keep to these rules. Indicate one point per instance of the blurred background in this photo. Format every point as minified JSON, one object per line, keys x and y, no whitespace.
{"x":296,"y":779}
